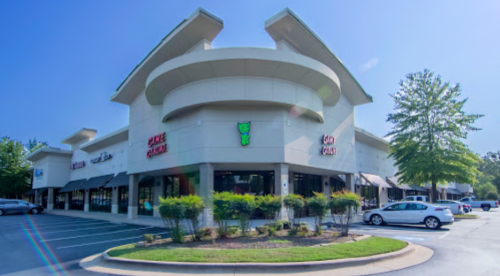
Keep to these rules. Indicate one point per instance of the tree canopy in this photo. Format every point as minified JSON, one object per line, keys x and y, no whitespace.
{"x":14,"y":168}
{"x":428,"y":133}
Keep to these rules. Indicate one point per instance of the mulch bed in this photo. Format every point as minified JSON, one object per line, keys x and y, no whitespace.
{"x":255,"y":241}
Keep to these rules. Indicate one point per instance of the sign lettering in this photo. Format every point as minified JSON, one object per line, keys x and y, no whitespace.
{"x":77,"y":165}
{"x":152,"y":145}
{"x":327,"y":150}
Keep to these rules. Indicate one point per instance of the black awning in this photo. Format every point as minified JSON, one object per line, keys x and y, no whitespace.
{"x":96,"y":182}
{"x":453,"y":191}
{"x":30,"y":192}
{"x":121,"y":179}
{"x":72,"y":185}
{"x":418,"y":188}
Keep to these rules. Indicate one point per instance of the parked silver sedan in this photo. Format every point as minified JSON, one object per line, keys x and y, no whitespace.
{"x":432,"y":216}
{"x":456,"y":207}
{"x":18,"y":206}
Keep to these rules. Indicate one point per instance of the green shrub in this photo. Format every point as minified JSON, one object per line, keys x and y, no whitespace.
{"x":294,"y":203}
{"x":293,"y":232}
{"x":286,"y":224}
{"x":272,"y":231}
{"x":205,"y":232}
{"x":318,"y":205}
{"x":270,"y":206}
{"x":149,"y":237}
{"x":232,"y":229}
{"x":222,"y":211}
{"x":194,"y":206}
{"x":242,"y":208}
{"x":303,"y":229}
{"x":278,"y":225}
{"x":262,"y":229}
{"x":343,"y":206}
{"x":304,"y":223}
{"x":172,"y":211}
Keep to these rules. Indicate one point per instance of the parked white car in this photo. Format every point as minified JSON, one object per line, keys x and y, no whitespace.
{"x":433,"y":217}
{"x":456,"y":208}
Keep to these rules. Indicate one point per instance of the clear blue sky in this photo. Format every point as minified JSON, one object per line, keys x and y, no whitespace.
{"x":61,"y":60}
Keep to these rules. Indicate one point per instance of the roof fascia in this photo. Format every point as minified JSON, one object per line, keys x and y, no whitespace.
{"x":287,"y":12}
{"x":114,"y":137}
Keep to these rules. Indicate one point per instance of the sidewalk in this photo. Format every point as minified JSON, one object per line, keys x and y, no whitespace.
{"x":158,"y":222}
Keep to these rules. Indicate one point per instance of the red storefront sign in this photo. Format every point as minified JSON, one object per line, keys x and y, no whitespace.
{"x":328,"y":140}
{"x":153,"y":141}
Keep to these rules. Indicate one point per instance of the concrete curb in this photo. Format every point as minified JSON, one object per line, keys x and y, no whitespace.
{"x":317,"y":264}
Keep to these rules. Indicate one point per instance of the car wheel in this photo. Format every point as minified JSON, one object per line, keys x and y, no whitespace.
{"x":486,"y":208}
{"x":34,"y":211}
{"x":1,"y":212}
{"x":376,"y":220}
{"x":432,"y":223}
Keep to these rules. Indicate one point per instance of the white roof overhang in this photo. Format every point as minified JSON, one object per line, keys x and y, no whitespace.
{"x":371,"y":139}
{"x":199,"y":26}
{"x":286,"y":26}
{"x":43,"y":152}
{"x":107,"y":140}
{"x":84,"y":133}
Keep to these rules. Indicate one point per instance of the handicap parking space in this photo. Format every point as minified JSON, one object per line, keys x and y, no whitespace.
{"x":45,"y":240}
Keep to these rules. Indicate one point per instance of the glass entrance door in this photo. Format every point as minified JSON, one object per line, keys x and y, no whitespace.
{"x":146,"y":196}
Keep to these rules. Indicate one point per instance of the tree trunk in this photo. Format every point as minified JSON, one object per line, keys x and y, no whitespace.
{"x":434,"y":192}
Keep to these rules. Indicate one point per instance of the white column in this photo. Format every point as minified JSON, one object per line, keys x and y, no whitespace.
{"x":159,"y":188}
{"x":281,"y":186}
{"x":86,"y":202}
{"x":66,"y":201}
{"x":50,"y":200}
{"x":114,"y":200}
{"x":133,"y":196}
{"x":206,"y":192}
{"x":326,"y":186}
{"x":349,"y":182}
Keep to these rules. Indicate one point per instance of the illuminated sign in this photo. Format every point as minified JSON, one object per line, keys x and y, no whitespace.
{"x":153,"y":143}
{"x":244,"y":129}
{"x":77,"y":165}
{"x":104,"y":156}
{"x":327,"y":150}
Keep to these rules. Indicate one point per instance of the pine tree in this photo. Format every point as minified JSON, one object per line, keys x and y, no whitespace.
{"x":428,"y":133}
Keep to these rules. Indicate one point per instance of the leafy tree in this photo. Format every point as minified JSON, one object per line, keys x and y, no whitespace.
{"x":34,"y":145}
{"x":318,"y":205}
{"x":173,"y":211}
{"x":14,"y":174}
{"x":194,"y":208}
{"x":294,"y":204}
{"x":490,"y":169}
{"x":270,"y":206}
{"x":487,"y":191}
{"x":343,"y":206}
{"x":429,"y":126}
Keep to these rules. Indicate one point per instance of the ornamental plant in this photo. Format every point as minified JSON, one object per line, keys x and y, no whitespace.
{"x":222,"y":211}
{"x":270,"y":206}
{"x":343,"y":206}
{"x":294,"y":204}
{"x":318,"y":205}
{"x":242,"y":208}
{"x":172,"y":211}
{"x":194,"y":206}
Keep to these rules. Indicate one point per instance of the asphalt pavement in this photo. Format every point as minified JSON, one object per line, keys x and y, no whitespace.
{"x":53,"y":245}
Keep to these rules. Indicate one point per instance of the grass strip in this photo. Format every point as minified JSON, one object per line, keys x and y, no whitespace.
{"x":367,"y":247}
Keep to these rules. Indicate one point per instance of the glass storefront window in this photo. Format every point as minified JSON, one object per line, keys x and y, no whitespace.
{"x":244,"y":182}
{"x":305,"y":185}
{"x":59,"y":200}
{"x":146,"y":196}
{"x":369,"y":195}
{"x":394,"y":194}
{"x":76,"y":200}
{"x":336,"y":184}
{"x":181,"y":184}
{"x":100,"y":200}
{"x":122,"y":199}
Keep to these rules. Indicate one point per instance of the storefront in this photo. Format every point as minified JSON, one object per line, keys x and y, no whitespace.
{"x":245,"y":120}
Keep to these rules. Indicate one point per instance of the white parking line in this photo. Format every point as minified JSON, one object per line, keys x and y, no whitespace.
{"x":72,"y":225}
{"x":61,"y":223}
{"x":99,"y":234}
{"x":42,"y":222}
{"x":444,"y":235}
{"x":74,"y":230}
{"x":85,"y":244}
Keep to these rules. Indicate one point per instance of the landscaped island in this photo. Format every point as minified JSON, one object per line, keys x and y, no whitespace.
{"x":185,"y":253}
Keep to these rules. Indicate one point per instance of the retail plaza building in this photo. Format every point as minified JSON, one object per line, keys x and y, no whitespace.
{"x":247,"y":120}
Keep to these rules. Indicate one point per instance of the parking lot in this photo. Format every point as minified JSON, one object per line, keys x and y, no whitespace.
{"x":52,"y":245}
